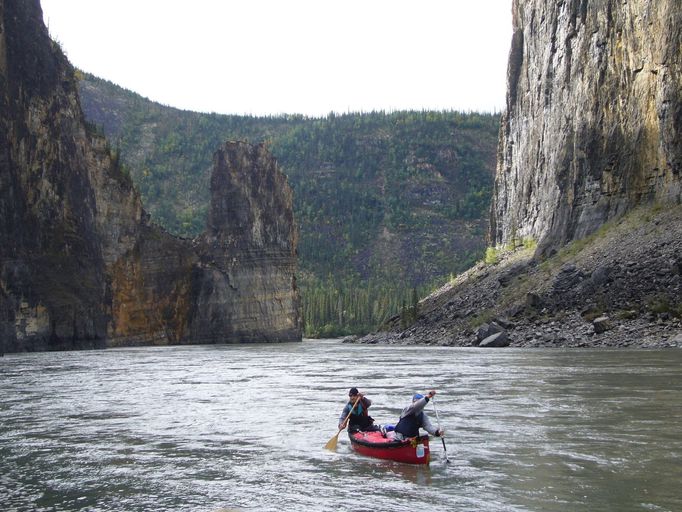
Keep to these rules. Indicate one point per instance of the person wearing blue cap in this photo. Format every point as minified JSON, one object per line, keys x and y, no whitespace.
{"x":413,"y":418}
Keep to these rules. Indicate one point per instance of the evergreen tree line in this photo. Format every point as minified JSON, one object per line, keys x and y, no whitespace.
{"x":332,"y":308}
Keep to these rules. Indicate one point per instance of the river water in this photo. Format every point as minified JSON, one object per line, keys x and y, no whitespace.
{"x":215,"y":428}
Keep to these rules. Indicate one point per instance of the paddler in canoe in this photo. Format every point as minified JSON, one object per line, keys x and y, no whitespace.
{"x":413,"y":418}
{"x":356,"y":414}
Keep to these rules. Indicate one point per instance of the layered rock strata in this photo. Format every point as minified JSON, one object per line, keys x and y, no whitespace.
{"x":245,"y":283}
{"x":80,"y":266}
{"x":593,"y":125}
{"x":235,"y":283}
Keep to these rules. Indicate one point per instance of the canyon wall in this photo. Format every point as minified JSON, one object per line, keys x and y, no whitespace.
{"x":245,"y":284}
{"x":234,"y":283}
{"x":80,"y":264}
{"x":593,"y":125}
{"x":52,"y":275}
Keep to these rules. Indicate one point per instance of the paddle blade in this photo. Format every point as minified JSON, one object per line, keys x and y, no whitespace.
{"x":331,"y":444}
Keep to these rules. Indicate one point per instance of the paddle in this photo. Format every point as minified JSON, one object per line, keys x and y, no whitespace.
{"x":331,"y":444}
{"x":442,"y":437}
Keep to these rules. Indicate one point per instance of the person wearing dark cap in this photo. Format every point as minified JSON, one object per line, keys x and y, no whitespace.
{"x":358,"y":417}
{"x":413,"y":418}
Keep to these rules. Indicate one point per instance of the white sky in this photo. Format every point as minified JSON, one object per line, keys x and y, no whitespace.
{"x":293,"y":56}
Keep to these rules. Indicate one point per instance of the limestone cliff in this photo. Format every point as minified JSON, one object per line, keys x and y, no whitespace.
{"x":245,"y":284}
{"x":593,"y":125}
{"x":235,"y":283}
{"x":150,"y":291}
{"x":80,"y":266}
{"x":51,"y":268}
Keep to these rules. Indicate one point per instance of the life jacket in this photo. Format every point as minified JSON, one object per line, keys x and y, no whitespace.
{"x":360,"y":416}
{"x":409,"y":425}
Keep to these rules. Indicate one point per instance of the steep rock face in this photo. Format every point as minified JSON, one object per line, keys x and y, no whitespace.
{"x":151,"y":291}
{"x":594,"y":116}
{"x":245,"y":285}
{"x":233,"y":284}
{"x":79,"y":264}
{"x":48,"y":232}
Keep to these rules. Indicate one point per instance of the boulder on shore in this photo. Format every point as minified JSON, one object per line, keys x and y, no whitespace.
{"x":499,"y":339}
{"x":602,"y":324}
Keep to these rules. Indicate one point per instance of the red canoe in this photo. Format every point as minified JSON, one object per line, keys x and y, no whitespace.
{"x":414,"y":450}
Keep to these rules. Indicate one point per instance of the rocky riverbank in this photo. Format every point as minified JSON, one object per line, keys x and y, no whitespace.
{"x":619,"y":287}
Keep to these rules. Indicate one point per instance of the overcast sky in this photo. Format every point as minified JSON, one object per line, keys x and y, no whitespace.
{"x":293,"y":56}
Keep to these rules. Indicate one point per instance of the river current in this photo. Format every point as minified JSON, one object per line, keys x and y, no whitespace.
{"x":243,"y":427}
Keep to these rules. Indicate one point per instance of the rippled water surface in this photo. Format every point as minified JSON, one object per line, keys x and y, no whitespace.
{"x":212,"y":428}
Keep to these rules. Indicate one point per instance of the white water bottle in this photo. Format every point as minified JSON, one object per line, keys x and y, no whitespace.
{"x":420,"y":451}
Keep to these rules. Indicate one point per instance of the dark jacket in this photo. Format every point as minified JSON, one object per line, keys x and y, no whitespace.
{"x":413,"y":418}
{"x":360,"y":418}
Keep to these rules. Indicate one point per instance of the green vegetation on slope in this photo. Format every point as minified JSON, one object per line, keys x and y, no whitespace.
{"x":385,"y":202}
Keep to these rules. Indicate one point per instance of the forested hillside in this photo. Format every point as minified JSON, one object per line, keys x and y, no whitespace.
{"x":385,"y":202}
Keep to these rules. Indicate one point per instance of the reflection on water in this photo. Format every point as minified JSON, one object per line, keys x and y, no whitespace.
{"x":243,"y":428}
